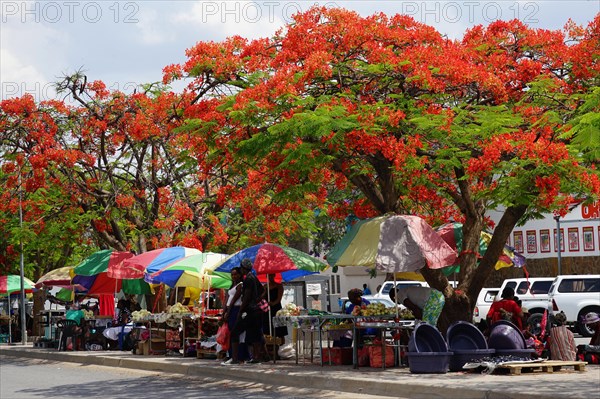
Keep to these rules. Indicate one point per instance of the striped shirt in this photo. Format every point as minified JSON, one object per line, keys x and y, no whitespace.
{"x":562,"y":344}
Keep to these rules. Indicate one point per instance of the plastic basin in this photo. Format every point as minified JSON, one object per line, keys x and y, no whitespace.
{"x":464,"y":336}
{"x":427,"y":338}
{"x":505,"y":335}
{"x":429,"y":362}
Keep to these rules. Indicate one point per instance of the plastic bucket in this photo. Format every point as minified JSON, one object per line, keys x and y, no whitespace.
{"x":464,"y":336}
{"x":505,"y":335}
{"x":429,"y":362}
{"x":427,"y":338}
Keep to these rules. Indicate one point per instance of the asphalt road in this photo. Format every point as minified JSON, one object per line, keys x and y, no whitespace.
{"x":22,"y":378}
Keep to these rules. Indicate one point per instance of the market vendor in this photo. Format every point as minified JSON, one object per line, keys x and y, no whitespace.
{"x":122,"y":324}
{"x":355,"y":299}
{"x":425,"y":303}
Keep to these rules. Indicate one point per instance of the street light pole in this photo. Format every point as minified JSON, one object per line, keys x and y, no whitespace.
{"x":22,"y":269}
{"x":558,"y":239}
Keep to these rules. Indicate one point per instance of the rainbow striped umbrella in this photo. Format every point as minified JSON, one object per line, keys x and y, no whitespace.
{"x":92,"y":274}
{"x":270,"y":258}
{"x":153,"y":261}
{"x":192,"y":271}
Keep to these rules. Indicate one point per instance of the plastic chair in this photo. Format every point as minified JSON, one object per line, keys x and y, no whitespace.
{"x":68,"y":328}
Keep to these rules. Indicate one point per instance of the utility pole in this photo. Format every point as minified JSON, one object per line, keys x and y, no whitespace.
{"x":22,"y":269}
{"x":558,"y":239}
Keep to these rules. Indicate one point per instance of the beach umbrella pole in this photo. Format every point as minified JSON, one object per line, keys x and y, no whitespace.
{"x":396,"y":298}
{"x":268,"y":301}
{"x":9,"y":322}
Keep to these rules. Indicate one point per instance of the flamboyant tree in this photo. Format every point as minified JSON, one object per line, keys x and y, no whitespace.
{"x":401,"y":119}
{"x":112,"y":172}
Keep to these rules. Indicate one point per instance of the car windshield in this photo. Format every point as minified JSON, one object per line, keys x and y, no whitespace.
{"x":386,"y":288}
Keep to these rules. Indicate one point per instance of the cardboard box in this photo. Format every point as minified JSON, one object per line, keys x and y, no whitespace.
{"x":158,"y":346}
{"x":139,"y":350}
{"x":338,"y":356}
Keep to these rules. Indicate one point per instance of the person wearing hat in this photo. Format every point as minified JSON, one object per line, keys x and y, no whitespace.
{"x":561,"y":340}
{"x":425,"y":303}
{"x":249,"y":318}
{"x":592,"y":319}
{"x":591,"y":353}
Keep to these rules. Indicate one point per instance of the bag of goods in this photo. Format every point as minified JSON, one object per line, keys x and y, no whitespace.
{"x":376,"y":356}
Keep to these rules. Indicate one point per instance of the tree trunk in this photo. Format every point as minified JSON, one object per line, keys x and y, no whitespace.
{"x":457,"y":307}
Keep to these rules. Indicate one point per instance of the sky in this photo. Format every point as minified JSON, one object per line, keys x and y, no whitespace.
{"x":127,"y":43}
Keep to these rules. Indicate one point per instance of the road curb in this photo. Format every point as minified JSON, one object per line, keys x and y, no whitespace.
{"x":391,"y":382}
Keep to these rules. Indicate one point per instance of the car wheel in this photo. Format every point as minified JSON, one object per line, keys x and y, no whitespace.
{"x":583,"y":328}
{"x":535,"y":324}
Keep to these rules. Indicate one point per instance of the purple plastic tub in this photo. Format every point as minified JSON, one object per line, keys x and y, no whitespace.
{"x":505,"y":335}
{"x":464,"y":336}
{"x":467,"y":343}
{"x":427,"y":338}
{"x":428,"y":362}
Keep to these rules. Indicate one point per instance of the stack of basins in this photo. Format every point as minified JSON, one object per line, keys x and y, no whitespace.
{"x":507,"y":340}
{"x":467,"y":344}
{"x":427,"y":350}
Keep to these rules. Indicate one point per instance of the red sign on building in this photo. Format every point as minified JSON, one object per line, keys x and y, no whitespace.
{"x":591,"y":211}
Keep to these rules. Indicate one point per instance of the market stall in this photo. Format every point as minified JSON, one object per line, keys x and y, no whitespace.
{"x":340,"y":338}
{"x":179,"y":331}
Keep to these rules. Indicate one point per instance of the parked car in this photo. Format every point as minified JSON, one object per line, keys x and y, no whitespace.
{"x":532,"y":291}
{"x":386,"y":287}
{"x":484,"y":300}
{"x":576,"y":296}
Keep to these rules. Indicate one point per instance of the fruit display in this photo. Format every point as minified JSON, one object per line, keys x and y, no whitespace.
{"x":88,"y":314}
{"x":379,"y":309}
{"x":406,"y":314}
{"x":373,"y":309}
{"x":289,"y":310}
{"x":178,"y":308}
{"x":140,"y":315}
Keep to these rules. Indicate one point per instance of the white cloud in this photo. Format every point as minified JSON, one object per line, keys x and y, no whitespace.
{"x":153,"y":30}
{"x":249,"y":19}
{"x":32,"y":63}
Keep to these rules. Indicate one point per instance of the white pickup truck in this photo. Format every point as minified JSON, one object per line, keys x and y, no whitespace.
{"x":576,"y":296}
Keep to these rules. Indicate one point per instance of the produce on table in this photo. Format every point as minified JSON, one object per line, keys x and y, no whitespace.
{"x":88,"y":314}
{"x":140,"y":315}
{"x":289,"y":310}
{"x":379,"y":309}
{"x":178,"y":308}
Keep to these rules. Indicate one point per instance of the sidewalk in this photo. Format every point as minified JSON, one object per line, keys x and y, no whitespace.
{"x":390,"y":382}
